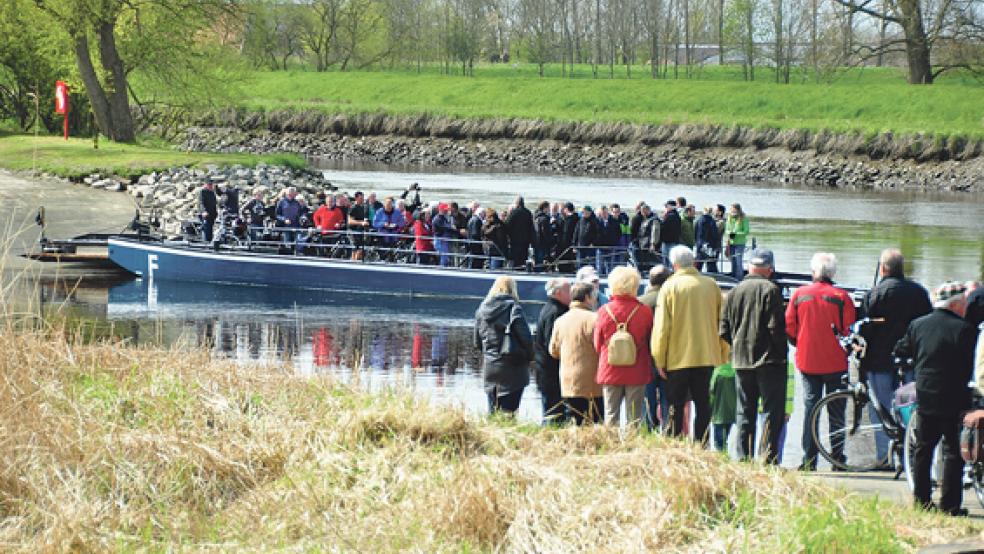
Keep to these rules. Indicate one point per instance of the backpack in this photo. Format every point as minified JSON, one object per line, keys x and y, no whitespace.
{"x":621,"y":345}
{"x":649,"y":233}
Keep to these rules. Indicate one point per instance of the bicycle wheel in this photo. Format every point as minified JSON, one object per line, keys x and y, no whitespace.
{"x":977,"y":474}
{"x":844,"y":432}
{"x":909,"y":455}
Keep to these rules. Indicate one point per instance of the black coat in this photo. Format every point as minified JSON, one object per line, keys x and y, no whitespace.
{"x":519,"y":226}
{"x":941,"y":346}
{"x":546,"y":368}
{"x":543,"y":231}
{"x":609,"y":231}
{"x":635,"y":224}
{"x":586,"y":232}
{"x":506,"y":373}
{"x":495,"y":232}
{"x":568,"y":232}
{"x":898,"y":301}
{"x":975,"y":307}
{"x":753,"y":322}
{"x":475,"y":228}
{"x":670,"y":228}
{"x":208,"y":203}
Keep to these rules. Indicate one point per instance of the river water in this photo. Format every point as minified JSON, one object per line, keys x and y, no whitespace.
{"x":383,"y":341}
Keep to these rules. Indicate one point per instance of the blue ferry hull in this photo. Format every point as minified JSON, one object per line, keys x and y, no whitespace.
{"x":161,"y":261}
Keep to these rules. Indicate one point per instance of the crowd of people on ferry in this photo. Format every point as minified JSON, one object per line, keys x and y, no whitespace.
{"x":557,"y":237}
{"x":687,"y":359}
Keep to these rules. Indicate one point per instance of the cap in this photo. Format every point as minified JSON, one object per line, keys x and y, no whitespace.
{"x":443,"y":207}
{"x":587,"y":207}
{"x":587,"y":274}
{"x":762,"y":257}
{"x":671,"y":202}
{"x":946,"y":291}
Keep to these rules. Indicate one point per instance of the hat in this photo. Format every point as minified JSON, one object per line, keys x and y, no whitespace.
{"x":442,"y":207}
{"x":671,"y":202}
{"x":946,"y":292}
{"x":587,"y":274}
{"x":587,"y":207}
{"x":762,"y":257}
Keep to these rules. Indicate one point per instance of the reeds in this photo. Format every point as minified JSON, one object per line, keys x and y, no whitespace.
{"x":106,"y":447}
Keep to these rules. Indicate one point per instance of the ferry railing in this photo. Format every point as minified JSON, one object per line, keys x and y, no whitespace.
{"x":371,"y":244}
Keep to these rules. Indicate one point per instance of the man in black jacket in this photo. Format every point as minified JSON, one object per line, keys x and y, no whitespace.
{"x":941,"y":346}
{"x":543,"y":237}
{"x":567,"y":228}
{"x":753,"y":323}
{"x":546,"y":368}
{"x":519,"y":226}
{"x":586,"y":237}
{"x":892,"y":304}
{"x":670,"y":229}
{"x":208,"y":209}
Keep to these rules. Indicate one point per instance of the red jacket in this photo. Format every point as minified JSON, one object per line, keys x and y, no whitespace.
{"x":329,"y":219}
{"x":811,"y":312}
{"x":422,"y":233}
{"x":640,"y":327}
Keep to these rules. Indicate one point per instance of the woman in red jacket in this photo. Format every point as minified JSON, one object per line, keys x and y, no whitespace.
{"x":422,"y":238}
{"x":624,"y":382}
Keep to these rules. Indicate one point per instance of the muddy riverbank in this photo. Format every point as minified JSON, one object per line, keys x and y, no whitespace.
{"x":850,"y":162}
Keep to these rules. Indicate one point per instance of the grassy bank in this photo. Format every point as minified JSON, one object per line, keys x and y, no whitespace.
{"x":77,"y":158}
{"x":106,"y":447}
{"x":869,"y":104}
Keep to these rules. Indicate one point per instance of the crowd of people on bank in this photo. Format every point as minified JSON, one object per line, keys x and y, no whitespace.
{"x":686,"y":359}
{"x":552,"y":237}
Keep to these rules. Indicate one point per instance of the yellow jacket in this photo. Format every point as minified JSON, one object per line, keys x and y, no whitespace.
{"x":688,"y":313}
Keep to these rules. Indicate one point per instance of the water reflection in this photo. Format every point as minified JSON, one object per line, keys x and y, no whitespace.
{"x":372,"y":340}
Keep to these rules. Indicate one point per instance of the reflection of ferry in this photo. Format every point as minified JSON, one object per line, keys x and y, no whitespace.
{"x":315,"y":330}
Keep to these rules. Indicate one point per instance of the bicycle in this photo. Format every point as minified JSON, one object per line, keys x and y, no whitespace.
{"x":843,"y":422}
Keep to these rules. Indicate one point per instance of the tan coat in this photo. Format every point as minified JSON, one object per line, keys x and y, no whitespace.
{"x":571,"y":343}
{"x":688,"y":313}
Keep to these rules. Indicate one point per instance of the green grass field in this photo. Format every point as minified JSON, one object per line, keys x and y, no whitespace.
{"x":869,"y":101}
{"x":76,"y":157}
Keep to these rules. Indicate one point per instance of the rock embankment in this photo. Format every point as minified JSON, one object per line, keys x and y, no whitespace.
{"x":824,"y":166}
{"x":172,"y":195}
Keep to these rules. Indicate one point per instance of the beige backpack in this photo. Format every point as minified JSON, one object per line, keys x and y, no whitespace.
{"x":621,"y":345}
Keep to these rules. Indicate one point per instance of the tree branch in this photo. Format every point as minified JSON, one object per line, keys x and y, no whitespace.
{"x":861,"y":8}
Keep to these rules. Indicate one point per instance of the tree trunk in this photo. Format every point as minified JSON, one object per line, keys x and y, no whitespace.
{"x":122,"y":129}
{"x":916,"y":43}
{"x":93,"y":89}
{"x":720,"y":15}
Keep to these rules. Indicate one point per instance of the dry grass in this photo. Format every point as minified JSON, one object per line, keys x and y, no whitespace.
{"x":108,"y":447}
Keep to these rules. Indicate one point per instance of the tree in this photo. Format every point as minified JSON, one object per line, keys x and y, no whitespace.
{"x":25,"y":69}
{"x":106,"y":80}
{"x":538,"y":18}
{"x":950,"y":22}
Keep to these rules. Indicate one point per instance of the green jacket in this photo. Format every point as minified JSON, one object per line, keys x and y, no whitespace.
{"x":738,"y":226}
{"x":724,"y":395}
{"x":687,"y":237}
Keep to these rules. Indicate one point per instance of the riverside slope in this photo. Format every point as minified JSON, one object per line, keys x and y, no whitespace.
{"x":847,"y":161}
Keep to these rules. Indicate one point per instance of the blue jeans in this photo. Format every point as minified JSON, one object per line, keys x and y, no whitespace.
{"x":656,"y":404}
{"x":539,"y":255}
{"x":665,"y":250}
{"x":585,"y":256}
{"x":495,"y":262}
{"x":721,"y":432}
{"x":814,"y":388}
{"x":737,"y":261}
{"x":207,"y":226}
{"x":443,"y":248}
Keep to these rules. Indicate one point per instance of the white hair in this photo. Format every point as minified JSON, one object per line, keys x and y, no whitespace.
{"x":823,"y":265}
{"x":556,"y":284}
{"x":401,"y":203}
{"x":682,"y":256}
